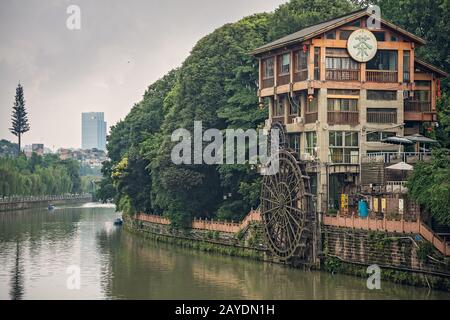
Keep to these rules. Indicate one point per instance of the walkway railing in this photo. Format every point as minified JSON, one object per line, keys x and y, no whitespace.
{"x":17,"y":199}
{"x":385,"y":225}
{"x":204,"y":224}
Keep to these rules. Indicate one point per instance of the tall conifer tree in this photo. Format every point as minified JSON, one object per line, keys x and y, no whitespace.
{"x":19,"y":117}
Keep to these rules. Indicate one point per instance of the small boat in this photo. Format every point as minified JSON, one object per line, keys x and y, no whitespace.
{"x":50,"y":207}
{"x":118,"y":222}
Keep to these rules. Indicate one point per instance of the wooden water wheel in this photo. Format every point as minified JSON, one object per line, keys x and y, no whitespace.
{"x":286,"y":208}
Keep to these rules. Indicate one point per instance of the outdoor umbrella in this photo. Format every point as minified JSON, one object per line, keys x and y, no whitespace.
{"x":397,"y":140}
{"x":401,"y":166}
{"x":418,"y":139}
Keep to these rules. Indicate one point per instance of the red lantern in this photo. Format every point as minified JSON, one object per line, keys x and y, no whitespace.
{"x":305,"y":48}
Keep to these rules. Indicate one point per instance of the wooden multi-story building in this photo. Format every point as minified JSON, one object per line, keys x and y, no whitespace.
{"x":336,"y":109}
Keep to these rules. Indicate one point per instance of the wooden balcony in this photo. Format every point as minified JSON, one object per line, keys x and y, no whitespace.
{"x":301,"y":75}
{"x":268,"y":83}
{"x":381,"y":76}
{"x":343,"y":117}
{"x":283,"y":79}
{"x":311,"y":117}
{"x":342,"y":75}
{"x":417,"y":106}
{"x":381,"y":117}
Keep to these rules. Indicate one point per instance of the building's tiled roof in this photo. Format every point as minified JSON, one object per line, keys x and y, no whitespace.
{"x":314,"y":30}
{"x":430,"y":67}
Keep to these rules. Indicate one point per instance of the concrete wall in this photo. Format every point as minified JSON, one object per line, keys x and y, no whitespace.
{"x":399,"y":256}
{"x":21,"y":205}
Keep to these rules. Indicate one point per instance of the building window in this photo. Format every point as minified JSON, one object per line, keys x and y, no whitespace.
{"x":389,"y":95}
{"x":378,"y":136}
{"x":330,"y":35}
{"x":342,"y":104}
{"x":344,"y":34}
{"x":381,"y":115}
{"x":301,"y":59}
{"x":294,"y":142}
{"x":279,"y":107}
{"x":285,"y":63}
{"x":311,"y":143}
{"x":293,"y":106}
{"x":379,"y":35}
{"x":394,"y":38}
{"x":406,"y":62}
{"x":356,"y":23}
{"x":384,"y":60}
{"x":423,"y":83}
{"x":344,"y":147}
{"x":344,"y":92}
{"x":317,"y":63}
{"x":268,"y":67}
{"x":312,"y":106}
{"x":339,"y":66}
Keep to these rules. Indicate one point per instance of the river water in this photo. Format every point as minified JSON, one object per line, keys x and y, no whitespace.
{"x":41,"y":253}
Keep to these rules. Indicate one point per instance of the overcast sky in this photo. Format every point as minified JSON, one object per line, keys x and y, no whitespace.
{"x":121,"y":48}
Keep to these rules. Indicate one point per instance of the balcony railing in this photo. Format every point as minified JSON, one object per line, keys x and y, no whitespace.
{"x":381,"y":76}
{"x":340,"y":158}
{"x":342,"y":75}
{"x":396,"y":187}
{"x":343,"y":117}
{"x":417,"y":106}
{"x":283,"y":79}
{"x":268,"y":83}
{"x":311,"y":117}
{"x":388,"y":157}
{"x":381,"y":117}
{"x":301,"y":75}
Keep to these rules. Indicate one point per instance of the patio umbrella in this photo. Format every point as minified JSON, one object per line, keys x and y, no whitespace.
{"x":420,"y":138}
{"x":397,"y":140}
{"x":401,"y":166}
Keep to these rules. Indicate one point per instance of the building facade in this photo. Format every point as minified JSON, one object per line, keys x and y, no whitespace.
{"x":93,"y":131}
{"x":338,"y":88}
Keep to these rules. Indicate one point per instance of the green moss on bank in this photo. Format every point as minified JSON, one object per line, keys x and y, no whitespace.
{"x":201,"y":245}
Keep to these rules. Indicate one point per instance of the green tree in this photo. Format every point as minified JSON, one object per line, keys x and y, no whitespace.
{"x":19,"y":117}
{"x":429,"y":185}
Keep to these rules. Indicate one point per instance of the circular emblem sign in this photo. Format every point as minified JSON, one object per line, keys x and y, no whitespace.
{"x":362,"y":45}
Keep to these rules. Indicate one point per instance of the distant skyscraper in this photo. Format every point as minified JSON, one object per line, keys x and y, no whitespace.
{"x":93,"y":130}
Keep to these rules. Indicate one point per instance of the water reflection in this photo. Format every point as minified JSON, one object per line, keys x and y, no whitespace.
{"x":17,"y":285}
{"x":37,"y":247}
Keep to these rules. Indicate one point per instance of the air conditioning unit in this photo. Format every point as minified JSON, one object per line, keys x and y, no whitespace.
{"x":307,"y":157}
{"x":349,"y":178}
{"x":298,"y":120}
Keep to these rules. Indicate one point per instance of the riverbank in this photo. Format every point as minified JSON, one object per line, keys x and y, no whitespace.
{"x":21,"y":203}
{"x":344,"y":251}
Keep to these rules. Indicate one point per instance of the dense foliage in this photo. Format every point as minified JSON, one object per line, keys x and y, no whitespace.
{"x":429,"y":185}
{"x":216,"y":84}
{"x":39,"y":175}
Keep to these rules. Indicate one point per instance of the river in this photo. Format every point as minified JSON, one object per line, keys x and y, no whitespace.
{"x":39,"y":251}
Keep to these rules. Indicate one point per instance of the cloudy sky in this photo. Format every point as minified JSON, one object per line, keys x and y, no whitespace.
{"x":121,"y":48}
